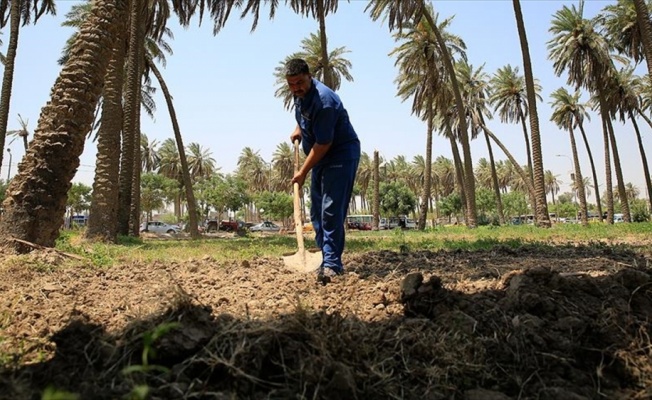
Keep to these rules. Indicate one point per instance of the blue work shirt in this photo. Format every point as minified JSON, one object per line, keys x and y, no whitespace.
{"x":323,"y":119}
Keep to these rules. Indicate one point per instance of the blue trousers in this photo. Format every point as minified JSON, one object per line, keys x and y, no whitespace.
{"x":331,"y":187}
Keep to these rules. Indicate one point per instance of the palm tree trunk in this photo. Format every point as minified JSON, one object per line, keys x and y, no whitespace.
{"x":527,"y":147}
{"x":328,"y":74}
{"x":376,"y":189}
{"x":543,"y":218}
{"x":641,"y":149}
{"x":593,"y":172}
{"x":469,"y":177}
{"x":8,"y":76}
{"x":134,"y":211}
{"x":36,"y":198}
{"x":423,"y":212}
{"x":607,"y":160}
{"x":103,"y":216}
{"x":579,"y":181}
{"x":185,"y":171}
{"x":494,"y":181}
{"x":129,"y":144}
{"x":645,"y":27}
{"x":622,"y":193}
{"x":459,"y":171}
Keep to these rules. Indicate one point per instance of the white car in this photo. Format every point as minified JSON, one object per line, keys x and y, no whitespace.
{"x":159,"y":227}
{"x":265,"y":227}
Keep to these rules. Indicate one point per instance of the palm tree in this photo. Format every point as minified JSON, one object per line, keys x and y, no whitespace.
{"x":150,"y":157}
{"x":632,"y":191}
{"x":552,"y":184}
{"x":541,"y":212}
{"x":319,"y":9}
{"x":170,"y":167}
{"x":399,"y":13}
{"x":283,"y":163}
{"x":22,"y":133}
{"x":580,"y":50}
{"x":421,"y":78}
{"x":622,"y":30}
{"x":565,"y":116}
{"x":444,"y":170}
{"x":509,"y":98}
{"x":645,"y":26}
{"x":18,"y":10}
{"x":475,"y":90}
{"x":627,"y":102}
{"x":36,"y":199}
{"x":201,"y":164}
{"x":570,"y":104}
{"x":253,"y":169}
{"x":311,"y":52}
{"x":364,"y":177}
{"x":103,"y":217}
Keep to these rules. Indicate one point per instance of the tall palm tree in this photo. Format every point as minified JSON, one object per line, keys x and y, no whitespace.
{"x":509,"y":98}
{"x":578,"y":49}
{"x":14,"y":12}
{"x":253,"y":169}
{"x":627,"y":102}
{"x":552,"y":184}
{"x":319,"y":9}
{"x":576,"y":110}
{"x":422,"y":79}
{"x":311,"y":51}
{"x":399,"y":13}
{"x":541,"y":212}
{"x":622,"y":30}
{"x":475,"y":90}
{"x":565,"y":116}
{"x":283,"y":162}
{"x":364,"y":177}
{"x":170,"y":167}
{"x":632,"y":191}
{"x":201,"y":164}
{"x":36,"y":198}
{"x":147,"y":18}
{"x":103,"y":217}
{"x":645,"y":26}
{"x":444,"y":170}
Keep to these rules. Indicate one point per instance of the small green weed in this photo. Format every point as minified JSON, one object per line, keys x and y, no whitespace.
{"x":51,"y":393}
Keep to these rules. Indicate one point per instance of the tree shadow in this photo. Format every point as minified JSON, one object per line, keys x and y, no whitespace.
{"x":543,"y":334}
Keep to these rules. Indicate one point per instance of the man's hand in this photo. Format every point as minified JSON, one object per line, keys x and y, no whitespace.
{"x":299,"y":178}
{"x":296,"y":135}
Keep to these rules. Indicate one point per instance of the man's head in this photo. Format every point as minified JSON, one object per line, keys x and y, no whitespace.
{"x":297,"y":74}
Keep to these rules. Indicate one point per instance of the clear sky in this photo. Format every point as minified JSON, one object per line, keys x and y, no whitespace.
{"x":223,"y":86}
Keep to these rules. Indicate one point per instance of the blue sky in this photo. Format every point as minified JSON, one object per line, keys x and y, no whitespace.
{"x":223,"y":86}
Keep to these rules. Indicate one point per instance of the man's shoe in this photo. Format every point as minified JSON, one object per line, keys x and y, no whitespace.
{"x":326,"y":274}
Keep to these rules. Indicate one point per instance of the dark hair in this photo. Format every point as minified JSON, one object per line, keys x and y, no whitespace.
{"x":296,"y":66}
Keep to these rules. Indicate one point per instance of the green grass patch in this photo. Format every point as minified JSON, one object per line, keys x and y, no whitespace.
{"x":227,"y":249}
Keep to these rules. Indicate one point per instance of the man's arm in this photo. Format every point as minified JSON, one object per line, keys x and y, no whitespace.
{"x":317,"y":152}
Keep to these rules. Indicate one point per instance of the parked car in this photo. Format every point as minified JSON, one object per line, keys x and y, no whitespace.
{"x":224,"y":225}
{"x":160,"y":227}
{"x":266,"y":226}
